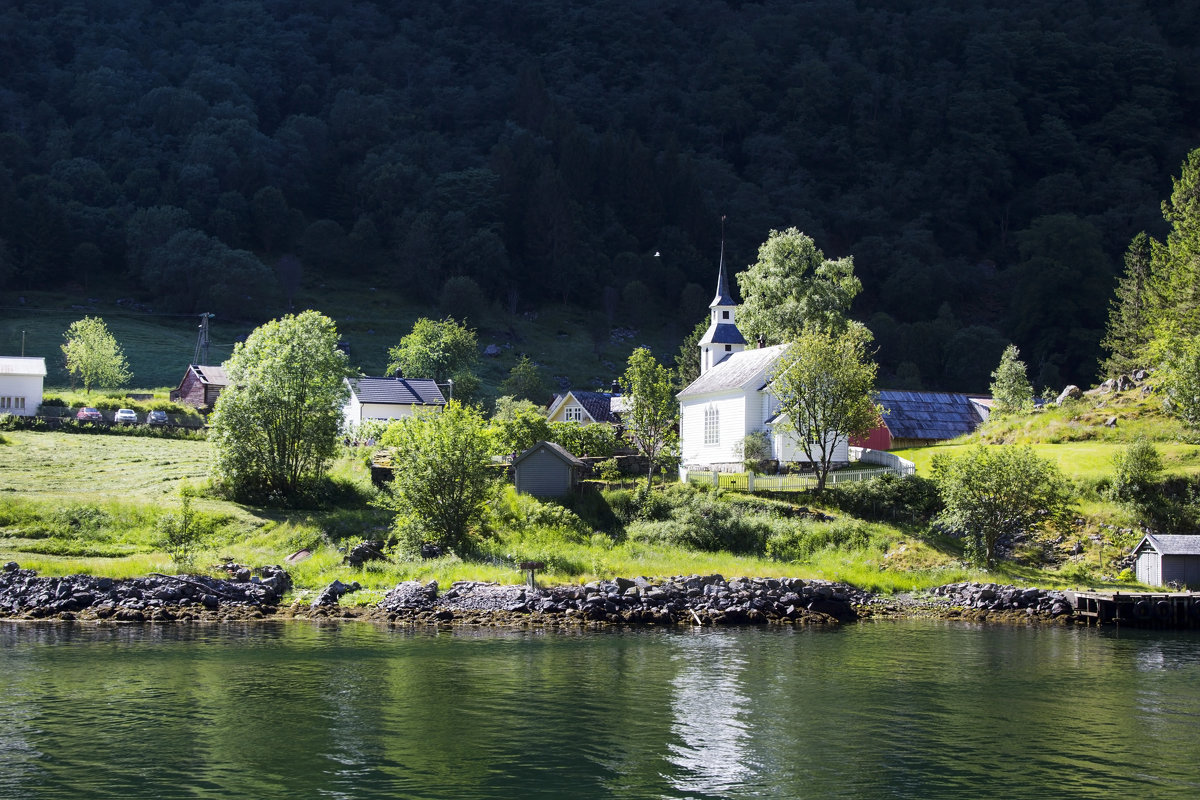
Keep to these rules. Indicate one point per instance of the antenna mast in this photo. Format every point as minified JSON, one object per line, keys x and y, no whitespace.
{"x":201,"y":354}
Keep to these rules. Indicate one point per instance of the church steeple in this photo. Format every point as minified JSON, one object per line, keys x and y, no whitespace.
{"x":722,"y":337}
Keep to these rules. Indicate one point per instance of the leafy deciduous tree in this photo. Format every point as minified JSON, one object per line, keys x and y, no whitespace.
{"x":443,"y":476}
{"x":276,"y":424}
{"x":524,"y":381}
{"x":793,"y":285}
{"x":93,"y":355}
{"x":441,"y":350}
{"x":825,"y":384}
{"x":994,"y":494}
{"x":651,"y":408}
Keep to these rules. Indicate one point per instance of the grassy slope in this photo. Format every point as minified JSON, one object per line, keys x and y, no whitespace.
{"x":89,"y":503}
{"x":159,"y":347}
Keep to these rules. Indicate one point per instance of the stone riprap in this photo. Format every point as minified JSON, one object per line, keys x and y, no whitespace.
{"x":158,"y":597}
{"x":978,"y":602}
{"x":707,"y":600}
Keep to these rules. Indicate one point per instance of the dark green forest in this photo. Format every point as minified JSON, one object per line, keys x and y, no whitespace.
{"x":985,"y":164}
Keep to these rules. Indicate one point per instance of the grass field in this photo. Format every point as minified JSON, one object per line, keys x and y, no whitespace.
{"x":1083,"y":460}
{"x":78,"y":503}
{"x":159,"y":346}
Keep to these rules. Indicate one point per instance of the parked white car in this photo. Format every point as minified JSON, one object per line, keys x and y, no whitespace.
{"x":125,"y":416}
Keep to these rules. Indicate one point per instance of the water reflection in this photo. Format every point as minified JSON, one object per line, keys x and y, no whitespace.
{"x":889,"y":710}
{"x":710,"y":747}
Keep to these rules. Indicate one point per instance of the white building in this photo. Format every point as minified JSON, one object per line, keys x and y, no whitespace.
{"x":21,"y":385}
{"x":733,"y":398}
{"x":389,"y":398}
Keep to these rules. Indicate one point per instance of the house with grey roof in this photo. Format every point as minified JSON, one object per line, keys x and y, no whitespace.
{"x":1164,"y":558}
{"x":21,"y":380}
{"x":916,"y":419}
{"x":587,"y":408}
{"x":389,"y":398}
{"x":732,"y":398}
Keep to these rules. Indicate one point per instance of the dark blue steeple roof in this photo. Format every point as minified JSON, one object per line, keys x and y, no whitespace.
{"x":724,"y":297}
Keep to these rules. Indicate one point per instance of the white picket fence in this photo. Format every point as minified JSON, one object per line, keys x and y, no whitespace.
{"x":874,"y":463}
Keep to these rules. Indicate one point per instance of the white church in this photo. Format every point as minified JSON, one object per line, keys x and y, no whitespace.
{"x":733,"y":398}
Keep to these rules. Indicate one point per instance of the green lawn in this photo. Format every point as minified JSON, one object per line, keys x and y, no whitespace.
{"x":1083,"y":460}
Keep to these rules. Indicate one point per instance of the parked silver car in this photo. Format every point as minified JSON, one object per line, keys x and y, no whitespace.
{"x":125,"y":416}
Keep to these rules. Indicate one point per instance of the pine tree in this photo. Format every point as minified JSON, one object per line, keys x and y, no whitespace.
{"x":1176,"y":265}
{"x":1128,"y":332}
{"x":1010,"y":385}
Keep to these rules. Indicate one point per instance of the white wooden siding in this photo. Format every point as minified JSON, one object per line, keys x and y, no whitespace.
{"x":731,"y":411}
{"x":28,"y":387}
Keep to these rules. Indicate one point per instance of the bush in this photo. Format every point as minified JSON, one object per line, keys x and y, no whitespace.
{"x":53,"y":401}
{"x":512,"y":511}
{"x":799,"y":542}
{"x":1136,"y":472}
{"x":183,"y":533}
{"x":890,"y":497}
{"x":608,"y":469}
{"x":704,"y":522}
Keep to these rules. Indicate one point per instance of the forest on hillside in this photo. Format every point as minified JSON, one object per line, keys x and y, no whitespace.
{"x":985,"y":165}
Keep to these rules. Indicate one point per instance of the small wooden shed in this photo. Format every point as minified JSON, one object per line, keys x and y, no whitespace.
{"x":200,"y":386}
{"x":1163,"y":559}
{"x":547,"y":470}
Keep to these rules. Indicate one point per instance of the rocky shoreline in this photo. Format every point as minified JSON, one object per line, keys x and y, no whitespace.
{"x":704,"y":600}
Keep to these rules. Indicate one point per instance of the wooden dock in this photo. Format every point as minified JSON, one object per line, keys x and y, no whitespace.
{"x":1138,"y":609}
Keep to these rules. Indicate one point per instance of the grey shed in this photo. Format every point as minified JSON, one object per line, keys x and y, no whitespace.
{"x":1163,"y":559}
{"x":547,"y":470}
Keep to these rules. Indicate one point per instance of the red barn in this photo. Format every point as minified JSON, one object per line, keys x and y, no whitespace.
{"x":914,"y":419}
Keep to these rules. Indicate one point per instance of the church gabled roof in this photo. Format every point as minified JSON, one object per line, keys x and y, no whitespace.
{"x":735,"y":371}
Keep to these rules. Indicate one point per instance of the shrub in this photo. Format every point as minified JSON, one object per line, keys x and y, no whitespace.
{"x":704,"y":522}
{"x":515,"y":512}
{"x":890,"y":497}
{"x":1136,"y":471}
{"x":801,"y":541}
{"x":54,"y":401}
{"x":608,"y":469}
{"x":184,"y":532}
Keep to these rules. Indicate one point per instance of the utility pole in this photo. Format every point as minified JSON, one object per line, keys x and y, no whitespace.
{"x":201,"y":354}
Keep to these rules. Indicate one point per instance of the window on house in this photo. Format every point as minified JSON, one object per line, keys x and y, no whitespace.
{"x":728,"y":348}
{"x":5,"y":402}
{"x":19,"y":403}
{"x":574,"y":414}
{"x":712,"y":426}
{"x":724,"y":315}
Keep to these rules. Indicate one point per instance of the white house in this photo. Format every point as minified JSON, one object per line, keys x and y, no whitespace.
{"x":389,"y":398}
{"x":21,"y":385}
{"x":733,"y":398}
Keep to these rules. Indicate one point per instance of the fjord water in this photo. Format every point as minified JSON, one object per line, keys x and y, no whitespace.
{"x":876,"y":710}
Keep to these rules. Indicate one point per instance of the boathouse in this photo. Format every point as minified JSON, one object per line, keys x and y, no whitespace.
{"x":1164,"y":559}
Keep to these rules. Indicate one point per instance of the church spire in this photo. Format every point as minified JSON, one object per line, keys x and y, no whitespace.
{"x":723,"y":297}
{"x":722,"y":337}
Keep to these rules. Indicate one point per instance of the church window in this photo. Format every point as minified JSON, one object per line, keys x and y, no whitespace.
{"x":724,"y":315}
{"x":728,"y":348}
{"x":712,"y":426}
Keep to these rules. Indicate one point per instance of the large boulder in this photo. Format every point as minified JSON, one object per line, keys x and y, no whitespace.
{"x":1072,"y":392}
